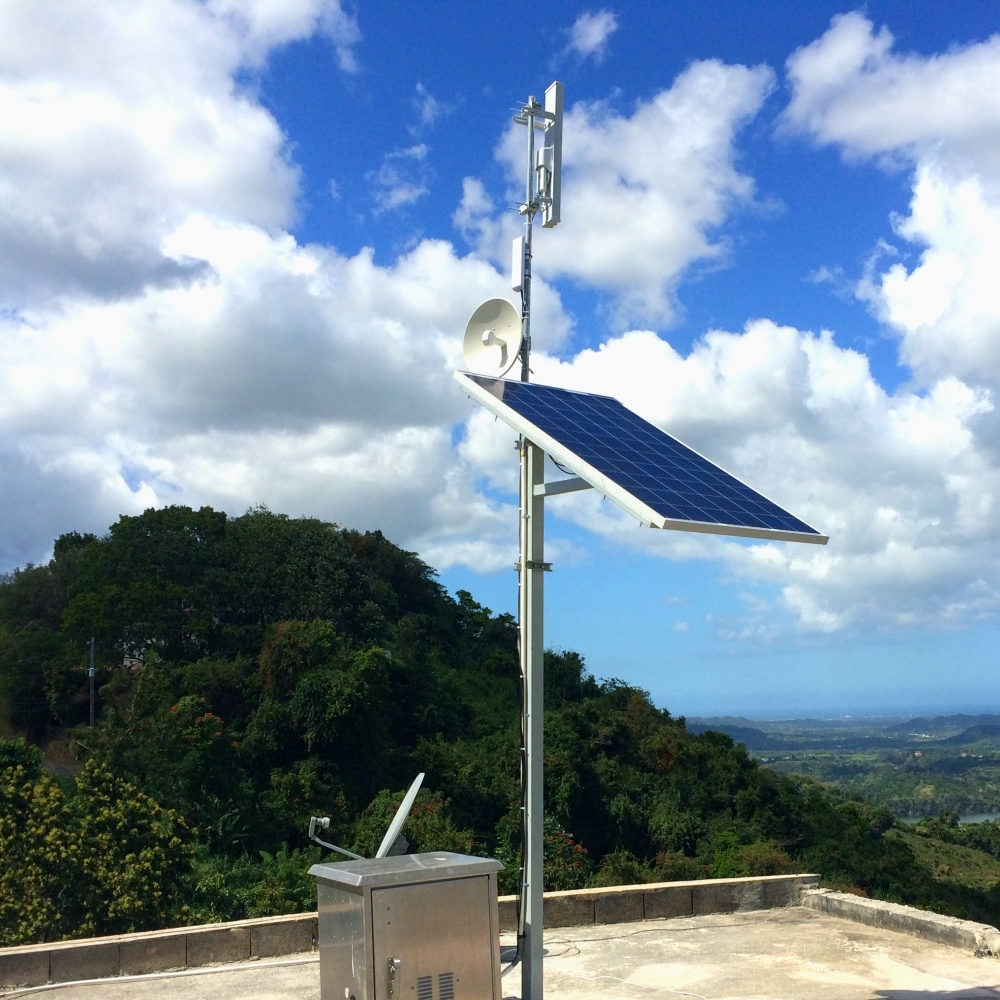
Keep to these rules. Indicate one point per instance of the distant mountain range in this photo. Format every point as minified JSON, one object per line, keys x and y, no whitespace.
{"x":943,"y":723}
{"x":804,"y":734}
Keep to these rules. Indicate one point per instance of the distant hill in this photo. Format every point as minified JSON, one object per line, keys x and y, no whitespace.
{"x":713,"y":722}
{"x":918,"y":725}
{"x":973,"y":735}
{"x":943,"y":723}
{"x":752,"y":739}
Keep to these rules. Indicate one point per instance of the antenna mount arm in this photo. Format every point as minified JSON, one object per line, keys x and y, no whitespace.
{"x":323,"y":822}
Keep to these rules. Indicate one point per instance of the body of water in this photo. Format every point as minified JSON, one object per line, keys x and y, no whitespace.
{"x":968,"y":818}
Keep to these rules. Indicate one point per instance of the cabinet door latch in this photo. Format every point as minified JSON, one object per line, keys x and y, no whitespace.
{"x":394,"y":965}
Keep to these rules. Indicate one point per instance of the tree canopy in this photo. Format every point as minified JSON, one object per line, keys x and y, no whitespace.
{"x":260,"y":669}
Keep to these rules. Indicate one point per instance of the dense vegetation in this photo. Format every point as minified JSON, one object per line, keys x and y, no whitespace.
{"x":932,"y":779}
{"x":257,"y":670}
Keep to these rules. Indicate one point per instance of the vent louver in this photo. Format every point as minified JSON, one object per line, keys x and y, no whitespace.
{"x":446,"y":986}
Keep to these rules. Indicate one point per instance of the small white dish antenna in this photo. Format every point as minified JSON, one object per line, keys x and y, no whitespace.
{"x":493,"y":338}
{"x":398,"y":821}
{"x":393,"y":842}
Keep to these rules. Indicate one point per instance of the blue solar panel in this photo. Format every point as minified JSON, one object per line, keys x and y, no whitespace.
{"x":673,"y":480}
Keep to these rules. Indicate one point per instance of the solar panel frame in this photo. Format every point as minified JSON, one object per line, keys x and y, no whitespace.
{"x":623,"y":470}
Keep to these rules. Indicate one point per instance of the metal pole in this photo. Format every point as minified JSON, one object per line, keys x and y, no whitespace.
{"x":532,"y":653}
{"x":530,"y":610}
{"x":91,"y":672}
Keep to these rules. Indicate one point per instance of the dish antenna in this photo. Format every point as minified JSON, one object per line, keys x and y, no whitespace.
{"x":493,"y":338}
{"x":393,"y":843}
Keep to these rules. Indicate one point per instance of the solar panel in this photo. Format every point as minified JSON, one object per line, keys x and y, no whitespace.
{"x":644,"y":470}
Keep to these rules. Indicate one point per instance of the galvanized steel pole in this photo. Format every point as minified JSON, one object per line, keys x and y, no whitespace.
{"x":92,"y":671}
{"x":530,"y":622}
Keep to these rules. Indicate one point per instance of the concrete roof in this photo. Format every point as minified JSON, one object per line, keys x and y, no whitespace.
{"x":786,"y":954}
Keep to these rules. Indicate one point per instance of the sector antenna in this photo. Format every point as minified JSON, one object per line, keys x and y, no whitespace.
{"x":604,"y":446}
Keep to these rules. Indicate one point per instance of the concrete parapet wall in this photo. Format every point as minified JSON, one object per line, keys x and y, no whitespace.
{"x":157,"y":951}
{"x":188,"y":947}
{"x":981,"y":939}
{"x":625,"y":903}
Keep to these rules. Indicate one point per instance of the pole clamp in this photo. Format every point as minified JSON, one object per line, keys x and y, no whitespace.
{"x":534,"y":564}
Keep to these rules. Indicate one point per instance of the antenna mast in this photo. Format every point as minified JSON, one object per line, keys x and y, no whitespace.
{"x":542,"y":194}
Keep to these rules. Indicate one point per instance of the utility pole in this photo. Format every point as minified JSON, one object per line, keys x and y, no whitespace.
{"x":91,"y":672}
{"x":542,"y":194}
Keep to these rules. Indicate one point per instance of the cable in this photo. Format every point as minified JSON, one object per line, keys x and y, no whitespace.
{"x":523,"y":762}
{"x":627,"y":982}
{"x":160,"y":975}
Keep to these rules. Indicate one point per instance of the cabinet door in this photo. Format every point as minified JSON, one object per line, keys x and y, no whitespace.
{"x":433,"y":941}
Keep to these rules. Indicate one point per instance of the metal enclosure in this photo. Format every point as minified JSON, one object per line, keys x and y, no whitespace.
{"x":412,"y":927}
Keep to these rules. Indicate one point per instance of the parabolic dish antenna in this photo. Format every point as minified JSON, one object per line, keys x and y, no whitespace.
{"x":492,"y":338}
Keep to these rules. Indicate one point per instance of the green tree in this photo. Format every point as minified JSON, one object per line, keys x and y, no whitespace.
{"x":109,"y":860}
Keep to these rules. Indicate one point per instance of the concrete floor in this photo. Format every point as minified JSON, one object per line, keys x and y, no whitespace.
{"x":791,"y":954}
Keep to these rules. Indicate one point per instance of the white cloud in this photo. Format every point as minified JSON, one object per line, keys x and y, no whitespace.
{"x":429,"y":109}
{"x":172,"y":343}
{"x":945,"y":309}
{"x":642,"y":194}
{"x":120,"y":120}
{"x":909,"y":481}
{"x":851,"y":89}
{"x":169,"y":342}
{"x":315,"y":382}
{"x":262,"y":25}
{"x":939,"y":114}
{"x":588,"y":37}
{"x":902,"y":483}
{"x":402,"y":178}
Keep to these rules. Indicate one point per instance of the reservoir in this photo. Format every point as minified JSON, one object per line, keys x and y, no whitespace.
{"x":967,"y":818}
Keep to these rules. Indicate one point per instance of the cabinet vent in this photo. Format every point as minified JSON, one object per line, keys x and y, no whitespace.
{"x":446,"y":986}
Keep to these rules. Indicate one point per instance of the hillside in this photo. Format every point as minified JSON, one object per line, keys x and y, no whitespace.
{"x":254,"y":671}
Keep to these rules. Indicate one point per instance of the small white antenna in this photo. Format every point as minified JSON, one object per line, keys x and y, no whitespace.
{"x":492,"y":339}
{"x":399,"y":820}
{"x":517,"y":264}
{"x":392,"y":843}
{"x":543,"y":188}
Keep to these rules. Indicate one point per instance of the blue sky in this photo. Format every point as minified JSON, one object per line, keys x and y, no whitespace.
{"x":239,"y":242}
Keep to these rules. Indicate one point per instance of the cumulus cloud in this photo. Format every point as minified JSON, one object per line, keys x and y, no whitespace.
{"x":318,"y":382}
{"x":588,"y":37}
{"x":850,"y":88}
{"x":901,"y":483}
{"x":945,"y":308}
{"x":940,"y":116}
{"x":166,"y":340}
{"x":642,"y":193}
{"x":121,"y":120}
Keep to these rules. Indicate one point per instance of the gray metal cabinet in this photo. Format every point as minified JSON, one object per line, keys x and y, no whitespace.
{"x":413,"y":927}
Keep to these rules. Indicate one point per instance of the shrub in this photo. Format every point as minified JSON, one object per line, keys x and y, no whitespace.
{"x":622,"y":867}
{"x":110,"y":860}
